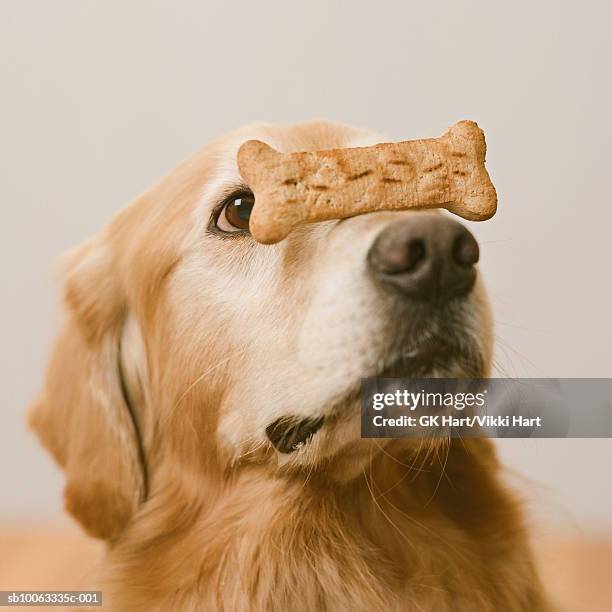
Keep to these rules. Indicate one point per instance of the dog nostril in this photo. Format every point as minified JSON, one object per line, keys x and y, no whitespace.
{"x":399,"y":257}
{"x":426,"y":258}
{"x":465,"y":250}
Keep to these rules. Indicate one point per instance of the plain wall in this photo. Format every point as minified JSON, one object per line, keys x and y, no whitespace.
{"x":100,"y":99}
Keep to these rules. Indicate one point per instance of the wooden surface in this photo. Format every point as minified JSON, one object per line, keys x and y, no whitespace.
{"x":47,"y":558}
{"x":578,"y":571}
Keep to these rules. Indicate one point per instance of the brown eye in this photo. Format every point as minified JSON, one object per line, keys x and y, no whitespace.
{"x":236,"y":213}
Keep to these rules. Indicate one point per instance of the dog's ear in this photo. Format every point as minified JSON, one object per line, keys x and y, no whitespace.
{"x":82,"y":415}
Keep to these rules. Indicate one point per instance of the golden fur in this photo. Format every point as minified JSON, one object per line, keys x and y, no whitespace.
{"x":210,"y":338}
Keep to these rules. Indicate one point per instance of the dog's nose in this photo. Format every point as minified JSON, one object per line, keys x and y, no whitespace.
{"x":427,"y":258}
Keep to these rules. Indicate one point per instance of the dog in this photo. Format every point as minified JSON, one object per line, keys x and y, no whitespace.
{"x":203,"y":400}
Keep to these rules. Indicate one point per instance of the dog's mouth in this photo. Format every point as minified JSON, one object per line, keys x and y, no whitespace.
{"x":289,"y":434}
{"x":437,"y":356}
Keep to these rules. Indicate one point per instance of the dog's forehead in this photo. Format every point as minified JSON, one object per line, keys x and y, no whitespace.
{"x":311,"y":136}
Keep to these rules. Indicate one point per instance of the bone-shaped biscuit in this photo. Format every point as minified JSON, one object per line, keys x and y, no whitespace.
{"x":446,"y":172}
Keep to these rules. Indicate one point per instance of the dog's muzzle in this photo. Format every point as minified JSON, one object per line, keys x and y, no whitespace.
{"x":290,"y":433}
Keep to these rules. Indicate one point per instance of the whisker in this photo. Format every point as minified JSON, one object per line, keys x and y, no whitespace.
{"x":390,"y":521}
{"x":207,"y":372}
{"x":446,"y":443}
{"x":198,"y":380}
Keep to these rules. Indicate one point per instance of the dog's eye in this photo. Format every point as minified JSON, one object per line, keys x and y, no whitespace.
{"x":236,"y":212}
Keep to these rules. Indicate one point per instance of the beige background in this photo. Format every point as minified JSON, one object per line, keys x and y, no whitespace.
{"x":99,"y":99}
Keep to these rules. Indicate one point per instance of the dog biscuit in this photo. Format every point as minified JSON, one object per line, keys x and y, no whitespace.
{"x":293,"y":188}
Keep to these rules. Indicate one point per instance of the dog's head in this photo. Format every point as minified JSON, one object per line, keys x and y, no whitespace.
{"x":191,"y":350}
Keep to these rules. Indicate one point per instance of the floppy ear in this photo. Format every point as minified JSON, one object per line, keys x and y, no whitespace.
{"x":82,"y":415}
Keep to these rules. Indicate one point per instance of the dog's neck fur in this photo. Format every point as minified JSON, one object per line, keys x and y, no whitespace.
{"x":265,"y":542}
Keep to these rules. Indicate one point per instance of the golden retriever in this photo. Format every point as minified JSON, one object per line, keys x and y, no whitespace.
{"x":203,"y":400}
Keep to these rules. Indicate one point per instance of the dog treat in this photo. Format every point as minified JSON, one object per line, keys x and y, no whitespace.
{"x":293,"y":188}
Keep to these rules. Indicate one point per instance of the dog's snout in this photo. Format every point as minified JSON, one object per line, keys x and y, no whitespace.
{"x":426,"y":258}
